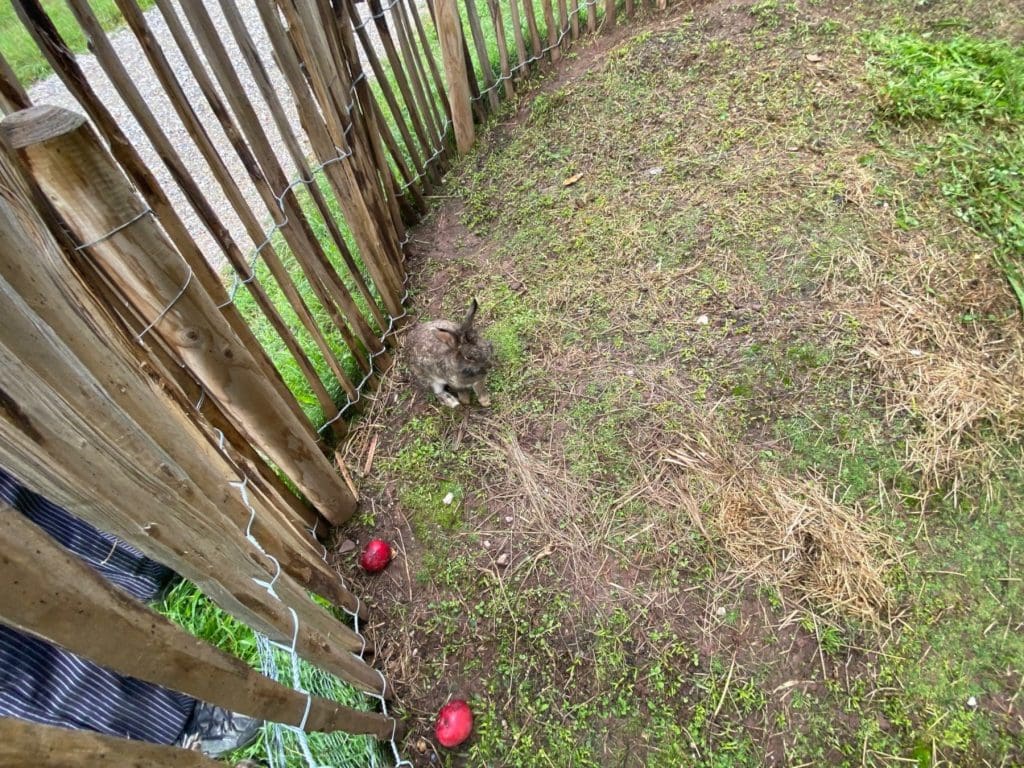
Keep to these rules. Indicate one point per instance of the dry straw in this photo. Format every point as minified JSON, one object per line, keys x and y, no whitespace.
{"x":783,"y":532}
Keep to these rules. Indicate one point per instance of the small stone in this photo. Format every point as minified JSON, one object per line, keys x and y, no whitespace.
{"x":703,"y":320}
{"x":655,"y":170}
{"x":972,"y":702}
{"x":720,"y":612}
{"x":916,"y":353}
{"x":448,"y":499}
{"x":503,"y":559}
{"x":509,"y":519}
{"x":630,"y":372}
{"x":422,"y":746}
{"x":487,"y":544}
{"x":346,"y":546}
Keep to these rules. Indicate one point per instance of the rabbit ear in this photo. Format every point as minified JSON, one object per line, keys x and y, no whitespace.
{"x":449,"y":338}
{"x":468,"y":322}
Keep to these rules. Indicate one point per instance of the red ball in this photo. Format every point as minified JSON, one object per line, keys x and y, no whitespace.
{"x":376,"y":556}
{"x":454,"y":723}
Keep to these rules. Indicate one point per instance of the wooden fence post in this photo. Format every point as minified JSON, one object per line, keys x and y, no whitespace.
{"x":50,"y":593}
{"x":66,"y":161}
{"x":449,"y":29}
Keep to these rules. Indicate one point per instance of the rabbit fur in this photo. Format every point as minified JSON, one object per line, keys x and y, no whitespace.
{"x":451,"y":359}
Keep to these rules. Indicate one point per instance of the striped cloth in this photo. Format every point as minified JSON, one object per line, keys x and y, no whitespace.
{"x":45,"y":684}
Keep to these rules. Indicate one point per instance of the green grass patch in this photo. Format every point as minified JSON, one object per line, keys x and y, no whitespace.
{"x":187,"y":607}
{"x":974,"y":90}
{"x":922,"y":77}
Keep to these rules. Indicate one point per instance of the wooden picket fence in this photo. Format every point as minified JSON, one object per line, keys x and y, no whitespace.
{"x":134,"y":390}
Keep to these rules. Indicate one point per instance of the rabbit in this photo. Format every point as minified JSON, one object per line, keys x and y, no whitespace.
{"x":451,"y":359}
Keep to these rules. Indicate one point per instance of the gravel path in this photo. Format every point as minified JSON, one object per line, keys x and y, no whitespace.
{"x":52,"y":91}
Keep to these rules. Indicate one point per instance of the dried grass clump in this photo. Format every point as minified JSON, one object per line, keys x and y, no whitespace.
{"x":964,"y":390}
{"x":787,"y":533}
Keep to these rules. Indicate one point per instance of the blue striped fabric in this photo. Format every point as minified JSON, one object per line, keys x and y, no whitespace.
{"x":45,"y":684}
{"x":116,"y":561}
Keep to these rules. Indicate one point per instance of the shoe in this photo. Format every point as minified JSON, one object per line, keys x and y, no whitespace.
{"x":214,"y":731}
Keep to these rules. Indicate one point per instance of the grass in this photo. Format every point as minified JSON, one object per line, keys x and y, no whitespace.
{"x":23,"y":55}
{"x":746,"y":493}
{"x":189,"y":609}
{"x":974,"y":90}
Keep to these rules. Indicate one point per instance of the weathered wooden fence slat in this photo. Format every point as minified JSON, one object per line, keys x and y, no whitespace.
{"x":121,"y":80}
{"x":435,"y":74}
{"x":403,"y":23}
{"x":330,"y":292}
{"x":499,"y":34}
{"x":517,"y":35}
{"x":46,"y":746}
{"x":12,"y":94}
{"x":333,"y":99}
{"x":554,"y":53}
{"x":609,"y":13}
{"x":531,"y":23}
{"x":483,"y":58}
{"x":342,"y":43}
{"x":591,"y":16}
{"x":449,"y":31}
{"x":172,"y":86}
{"x":265,"y":245}
{"x":52,"y":594}
{"x":55,"y":407}
{"x":563,"y":25}
{"x":425,"y":171}
{"x":295,"y":151}
{"x":417,"y":119}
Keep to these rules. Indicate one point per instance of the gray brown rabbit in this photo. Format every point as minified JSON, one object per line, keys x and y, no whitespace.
{"x":451,"y":359}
